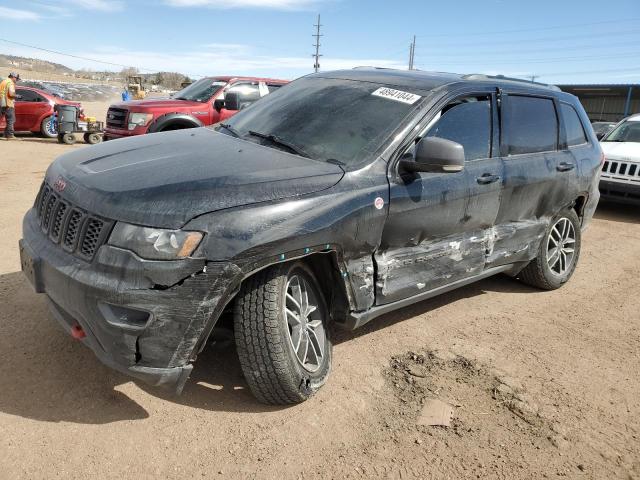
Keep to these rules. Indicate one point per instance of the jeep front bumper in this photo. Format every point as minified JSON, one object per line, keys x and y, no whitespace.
{"x":148,"y":319}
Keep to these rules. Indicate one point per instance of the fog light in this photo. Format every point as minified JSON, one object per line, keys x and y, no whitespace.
{"x":124,"y":317}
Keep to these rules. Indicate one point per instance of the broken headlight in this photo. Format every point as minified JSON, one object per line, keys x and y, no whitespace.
{"x":155,"y":243}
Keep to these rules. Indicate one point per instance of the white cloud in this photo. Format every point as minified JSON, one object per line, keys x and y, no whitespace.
{"x":15,"y":14}
{"x":227,"y":4}
{"x":100,"y":5}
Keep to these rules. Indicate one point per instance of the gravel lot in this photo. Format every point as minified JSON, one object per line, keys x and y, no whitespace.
{"x":544,"y":384}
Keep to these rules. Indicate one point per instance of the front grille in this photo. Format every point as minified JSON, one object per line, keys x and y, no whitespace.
{"x":616,"y":168}
{"x":117,"y":118}
{"x":77,"y":231}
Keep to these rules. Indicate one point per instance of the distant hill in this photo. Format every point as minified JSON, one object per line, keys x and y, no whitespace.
{"x":32,"y":64}
{"x":23,"y":65}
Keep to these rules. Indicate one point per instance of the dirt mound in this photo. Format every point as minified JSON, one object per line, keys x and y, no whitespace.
{"x":497,"y":428}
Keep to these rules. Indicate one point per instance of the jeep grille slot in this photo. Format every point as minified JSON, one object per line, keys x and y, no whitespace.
{"x":91,"y":237}
{"x":75,"y":230}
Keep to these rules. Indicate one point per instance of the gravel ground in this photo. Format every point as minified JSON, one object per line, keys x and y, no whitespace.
{"x":543,"y":384}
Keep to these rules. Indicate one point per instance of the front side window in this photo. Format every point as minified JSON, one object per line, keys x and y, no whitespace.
{"x":328,"y":119}
{"x":531,"y":125}
{"x":572,"y":125}
{"x":200,"y":91}
{"x":248,"y":92}
{"x":628,"y":131}
{"x":27,"y":96}
{"x":466,"y":121}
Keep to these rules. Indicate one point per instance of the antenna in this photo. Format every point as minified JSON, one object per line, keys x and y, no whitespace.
{"x":317,"y":55}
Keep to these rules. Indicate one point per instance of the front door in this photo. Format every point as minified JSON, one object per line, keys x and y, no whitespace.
{"x":30,"y":107}
{"x":439,"y":224}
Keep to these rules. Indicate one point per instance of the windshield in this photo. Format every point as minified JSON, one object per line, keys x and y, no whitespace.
{"x":628,"y":131}
{"x":326,"y":119}
{"x":200,"y":91}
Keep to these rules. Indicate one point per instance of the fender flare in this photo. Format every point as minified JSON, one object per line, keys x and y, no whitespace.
{"x":164,"y":120}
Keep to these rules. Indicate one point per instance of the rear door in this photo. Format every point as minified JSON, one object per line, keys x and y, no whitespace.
{"x":436,"y":230}
{"x":536,"y":171}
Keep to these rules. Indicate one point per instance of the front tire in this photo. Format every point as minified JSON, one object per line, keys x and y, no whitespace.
{"x":281,"y":331}
{"x":557,"y":255}
{"x":48,"y":127}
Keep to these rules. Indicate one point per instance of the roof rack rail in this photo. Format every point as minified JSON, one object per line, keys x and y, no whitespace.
{"x":482,"y":76}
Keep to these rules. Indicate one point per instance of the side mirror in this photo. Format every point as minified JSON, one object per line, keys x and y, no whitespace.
{"x":232,"y":101}
{"x":600,"y":135}
{"x":436,"y":155}
{"x":218,"y":104}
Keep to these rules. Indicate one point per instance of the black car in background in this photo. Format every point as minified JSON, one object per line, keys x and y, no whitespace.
{"x":339,"y":197}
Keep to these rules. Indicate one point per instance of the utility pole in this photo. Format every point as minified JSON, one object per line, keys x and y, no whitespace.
{"x":317,"y":55}
{"x":412,"y":52}
{"x":533,"y":78}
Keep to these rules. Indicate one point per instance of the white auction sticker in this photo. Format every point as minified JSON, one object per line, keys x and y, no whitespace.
{"x":397,"y":95}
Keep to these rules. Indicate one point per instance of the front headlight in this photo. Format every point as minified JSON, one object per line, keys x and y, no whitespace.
{"x":139,"y":119}
{"x":155,"y":243}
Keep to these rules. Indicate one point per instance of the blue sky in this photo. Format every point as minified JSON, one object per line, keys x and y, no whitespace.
{"x":559,"y":41}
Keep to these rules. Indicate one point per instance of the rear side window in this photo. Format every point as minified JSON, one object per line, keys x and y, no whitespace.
{"x":466,"y":121}
{"x":572,"y":125}
{"x":531,"y":125}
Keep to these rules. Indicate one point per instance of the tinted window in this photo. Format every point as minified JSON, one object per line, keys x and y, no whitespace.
{"x":27,"y":96}
{"x":573,"y":125}
{"x":531,"y":125}
{"x":468,"y":122}
{"x":200,"y":91}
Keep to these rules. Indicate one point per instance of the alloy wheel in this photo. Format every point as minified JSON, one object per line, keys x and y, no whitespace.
{"x":561,"y":247}
{"x":305,"y":322}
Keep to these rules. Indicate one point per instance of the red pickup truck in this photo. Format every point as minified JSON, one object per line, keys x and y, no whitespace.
{"x":199,"y":104}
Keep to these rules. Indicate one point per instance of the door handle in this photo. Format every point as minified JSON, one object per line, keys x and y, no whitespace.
{"x":565,"y":166}
{"x":487,"y":178}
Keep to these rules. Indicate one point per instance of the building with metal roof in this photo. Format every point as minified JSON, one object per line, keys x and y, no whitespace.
{"x":607,"y":102}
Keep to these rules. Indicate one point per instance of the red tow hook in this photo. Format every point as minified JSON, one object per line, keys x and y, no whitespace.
{"x":77,"y":332}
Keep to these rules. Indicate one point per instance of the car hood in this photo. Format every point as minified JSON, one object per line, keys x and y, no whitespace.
{"x":160,"y":104}
{"x":166,"y":179}
{"x":621,"y":150}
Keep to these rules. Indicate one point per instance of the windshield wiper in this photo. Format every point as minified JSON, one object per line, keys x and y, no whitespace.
{"x":231,"y":130}
{"x":279,"y":141}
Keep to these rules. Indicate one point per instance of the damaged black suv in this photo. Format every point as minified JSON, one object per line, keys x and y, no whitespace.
{"x":337,"y":198}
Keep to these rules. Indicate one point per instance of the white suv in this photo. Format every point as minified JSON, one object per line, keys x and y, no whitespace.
{"x":620,"y":179}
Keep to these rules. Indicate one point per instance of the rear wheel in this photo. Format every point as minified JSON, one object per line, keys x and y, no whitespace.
{"x":558,"y":253}
{"x":281,"y":330}
{"x":49,"y":128}
{"x":92,"y":138}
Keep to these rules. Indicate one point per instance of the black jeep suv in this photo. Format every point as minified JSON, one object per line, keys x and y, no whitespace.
{"x":337,"y":198}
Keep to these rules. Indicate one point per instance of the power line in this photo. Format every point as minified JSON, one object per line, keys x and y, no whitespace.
{"x":554,"y":38}
{"x":519,"y":30}
{"x":524,"y":60}
{"x":317,"y":55}
{"x":535,"y":50}
{"x":150,"y":70}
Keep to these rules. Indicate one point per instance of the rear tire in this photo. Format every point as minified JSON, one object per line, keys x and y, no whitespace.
{"x":48,"y":127}
{"x":558,"y":253}
{"x":67,"y":138}
{"x":274,"y":320}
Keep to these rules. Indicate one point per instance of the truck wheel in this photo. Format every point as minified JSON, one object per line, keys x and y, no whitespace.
{"x":558,"y":253}
{"x":67,"y":138}
{"x":92,"y":138}
{"x":48,"y":127}
{"x":281,"y":330}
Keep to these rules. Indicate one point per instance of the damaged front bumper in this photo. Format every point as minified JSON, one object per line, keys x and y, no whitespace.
{"x":147,"y":319}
